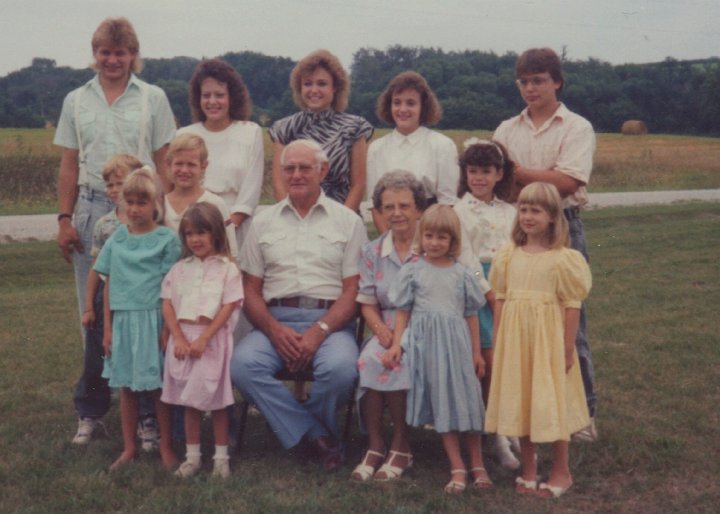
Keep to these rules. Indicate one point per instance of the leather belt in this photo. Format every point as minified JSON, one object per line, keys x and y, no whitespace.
{"x":301,"y":302}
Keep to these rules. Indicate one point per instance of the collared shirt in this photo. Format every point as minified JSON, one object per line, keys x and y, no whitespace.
{"x":102,"y":231}
{"x":379,"y":263}
{"x":565,"y":143}
{"x":486,"y":227}
{"x":201,"y":287}
{"x":172,"y":219}
{"x":235,"y":163}
{"x":429,"y":155}
{"x":107,"y":130}
{"x":307,"y":256}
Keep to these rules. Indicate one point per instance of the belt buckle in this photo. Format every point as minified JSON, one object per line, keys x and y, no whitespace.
{"x":307,"y":303}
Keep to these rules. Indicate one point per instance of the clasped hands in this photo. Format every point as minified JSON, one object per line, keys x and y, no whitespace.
{"x":297,"y":350}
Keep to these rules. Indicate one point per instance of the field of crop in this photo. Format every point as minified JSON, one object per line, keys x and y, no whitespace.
{"x":29,"y":164}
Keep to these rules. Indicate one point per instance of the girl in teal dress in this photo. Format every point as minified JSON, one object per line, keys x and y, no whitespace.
{"x":135,"y":259}
{"x":436,"y":325}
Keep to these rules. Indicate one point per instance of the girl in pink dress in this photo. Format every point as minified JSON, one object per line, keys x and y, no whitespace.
{"x":201,"y":295}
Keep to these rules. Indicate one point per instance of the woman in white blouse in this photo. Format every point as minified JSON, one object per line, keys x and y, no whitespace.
{"x":409,"y":104}
{"x":221,"y":107}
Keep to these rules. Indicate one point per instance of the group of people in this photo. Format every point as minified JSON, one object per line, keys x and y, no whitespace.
{"x":471,"y":293}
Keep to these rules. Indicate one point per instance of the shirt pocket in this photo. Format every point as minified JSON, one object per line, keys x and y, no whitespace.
{"x":86,"y":124}
{"x":331,"y":247}
{"x":275,"y":247}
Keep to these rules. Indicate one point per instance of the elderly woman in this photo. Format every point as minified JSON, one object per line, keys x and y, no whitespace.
{"x":221,"y":106}
{"x":409,"y":104}
{"x":321,"y":88}
{"x":400,"y":199}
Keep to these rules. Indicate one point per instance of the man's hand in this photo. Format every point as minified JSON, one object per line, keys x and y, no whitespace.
{"x":287,"y":343}
{"x":68,"y":239}
{"x":309,"y":344}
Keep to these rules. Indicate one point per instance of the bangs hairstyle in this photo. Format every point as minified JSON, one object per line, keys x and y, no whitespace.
{"x":118,"y":33}
{"x":204,"y":217}
{"x":238,"y":94}
{"x":399,"y":180}
{"x":546,"y":196}
{"x":443,"y":219}
{"x":145,"y":183}
{"x":327,"y":61}
{"x":120,"y":165}
{"x":483,"y":154}
{"x":430,"y":110}
{"x":187,"y":143}
{"x":540,"y":60}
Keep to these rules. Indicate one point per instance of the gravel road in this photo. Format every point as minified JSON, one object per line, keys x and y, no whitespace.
{"x":43,"y":227}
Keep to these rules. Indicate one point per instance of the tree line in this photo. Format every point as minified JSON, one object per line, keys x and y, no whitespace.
{"x":476,"y":89}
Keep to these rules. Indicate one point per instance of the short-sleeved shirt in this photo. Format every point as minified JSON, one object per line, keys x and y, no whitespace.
{"x":308,"y":256}
{"x":104,"y":228}
{"x":430,"y":156}
{"x":136,"y":265}
{"x":236,"y":159}
{"x":336,"y":132}
{"x":564,"y":143}
{"x":201,"y":287}
{"x":107,"y":130}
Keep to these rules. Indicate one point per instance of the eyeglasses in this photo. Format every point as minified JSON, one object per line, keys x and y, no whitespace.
{"x":304,"y":168}
{"x":535,"y":81}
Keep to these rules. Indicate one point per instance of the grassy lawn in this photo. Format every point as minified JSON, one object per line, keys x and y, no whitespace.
{"x":29,"y":164}
{"x":655,"y":348}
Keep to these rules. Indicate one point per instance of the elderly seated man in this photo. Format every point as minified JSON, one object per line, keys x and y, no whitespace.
{"x":300,"y":266}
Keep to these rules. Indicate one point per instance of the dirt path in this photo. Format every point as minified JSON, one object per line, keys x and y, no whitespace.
{"x":43,"y":227}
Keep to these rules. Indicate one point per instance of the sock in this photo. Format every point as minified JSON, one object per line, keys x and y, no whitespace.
{"x":192,"y":454}
{"x":221,"y":452}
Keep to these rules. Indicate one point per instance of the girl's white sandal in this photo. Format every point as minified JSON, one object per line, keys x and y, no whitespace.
{"x":453,"y":486}
{"x":363,"y":471}
{"x":393,"y":472}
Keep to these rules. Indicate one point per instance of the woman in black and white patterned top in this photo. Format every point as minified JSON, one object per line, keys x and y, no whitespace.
{"x":321,"y":88}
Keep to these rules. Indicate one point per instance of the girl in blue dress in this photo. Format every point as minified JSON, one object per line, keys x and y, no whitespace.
{"x":436,"y":325}
{"x":135,"y":259}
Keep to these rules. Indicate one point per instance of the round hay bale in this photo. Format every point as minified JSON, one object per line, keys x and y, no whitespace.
{"x":634,"y":128}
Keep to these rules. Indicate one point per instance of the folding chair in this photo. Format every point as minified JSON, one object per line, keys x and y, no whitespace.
{"x":306,"y":375}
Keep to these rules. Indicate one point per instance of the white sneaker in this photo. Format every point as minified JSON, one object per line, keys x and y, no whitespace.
{"x":86,"y":427}
{"x":221,"y":467}
{"x":148,"y":433}
{"x":504,"y":454}
{"x":586,"y":435}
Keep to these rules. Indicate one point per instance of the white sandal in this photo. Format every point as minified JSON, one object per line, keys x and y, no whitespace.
{"x":453,"y":486}
{"x":363,"y":471}
{"x":393,"y":472}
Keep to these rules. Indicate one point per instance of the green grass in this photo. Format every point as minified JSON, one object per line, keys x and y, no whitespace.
{"x":29,"y":164}
{"x":652,"y":326}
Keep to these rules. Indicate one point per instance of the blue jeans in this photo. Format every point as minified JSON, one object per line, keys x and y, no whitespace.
{"x":582,"y":346}
{"x":255,"y":362}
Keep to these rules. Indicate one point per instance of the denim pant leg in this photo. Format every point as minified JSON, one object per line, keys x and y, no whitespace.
{"x":92,"y":393}
{"x":582,"y":345}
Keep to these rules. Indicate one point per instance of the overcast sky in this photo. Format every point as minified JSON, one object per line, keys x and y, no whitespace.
{"x":618,"y":31}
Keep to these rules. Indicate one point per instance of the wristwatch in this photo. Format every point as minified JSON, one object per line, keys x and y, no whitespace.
{"x":323,"y":326}
{"x":64,"y":215}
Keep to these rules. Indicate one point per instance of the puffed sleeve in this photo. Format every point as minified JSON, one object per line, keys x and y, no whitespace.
{"x":498,"y":270}
{"x":402,"y":289}
{"x":474,"y":298}
{"x":363,"y":129}
{"x":172,"y":251}
{"x":366,"y":267}
{"x":573,"y":278}
{"x":280,"y":130}
{"x":233,"y":288}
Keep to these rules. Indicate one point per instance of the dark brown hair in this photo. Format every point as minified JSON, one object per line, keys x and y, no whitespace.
{"x":430,"y":110}
{"x":238,"y":94}
{"x":540,"y":60}
{"x":487,"y":153}
{"x":205,"y":217}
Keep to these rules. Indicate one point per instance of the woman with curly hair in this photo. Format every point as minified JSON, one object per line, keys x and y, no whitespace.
{"x":221,"y":107}
{"x":410,"y":105}
{"x":321,"y":88}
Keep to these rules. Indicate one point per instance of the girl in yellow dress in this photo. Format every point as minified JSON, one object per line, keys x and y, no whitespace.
{"x":536,"y":392}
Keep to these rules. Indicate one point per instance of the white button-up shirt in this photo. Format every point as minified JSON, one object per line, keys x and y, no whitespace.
{"x":565,"y":143}
{"x":486,"y":227}
{"x":307,"y":256}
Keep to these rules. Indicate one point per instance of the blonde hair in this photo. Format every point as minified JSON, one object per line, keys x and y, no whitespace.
{"x":118,"y":33}
{"x":443,"y":219}
{"x":328,"y":62}
{"x":120,"y":164}
{"x":145,"y":183}
{"x":205,"y":217}
{"x":187,"y":143}
{"x":547,"y":197}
